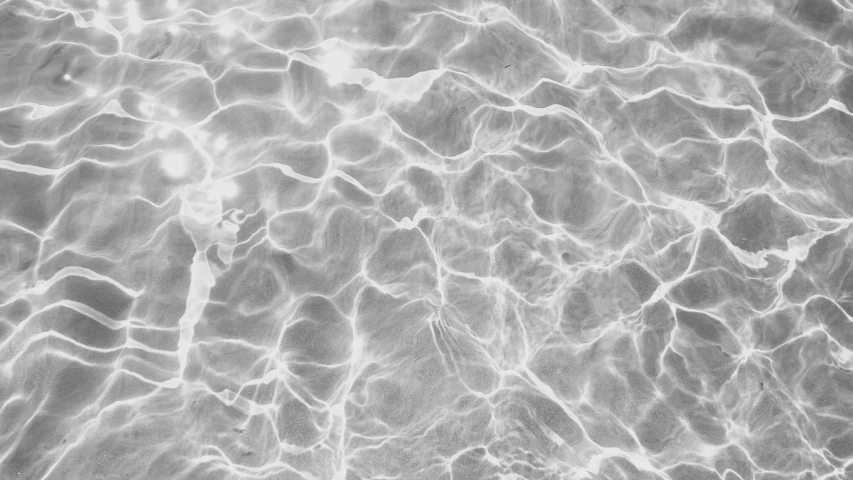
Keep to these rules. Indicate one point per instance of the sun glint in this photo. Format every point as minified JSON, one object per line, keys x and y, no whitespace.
{"x":164,"y":131}
{"x":101,"y":21}
{"x":175,"y":165}
{"x":146,"y":108}
{"x":220,"y":143}
{"x":227,"y":188}
{"x":335,"y":63}
{"x":227,"y":28}
{"x":133,"y":19}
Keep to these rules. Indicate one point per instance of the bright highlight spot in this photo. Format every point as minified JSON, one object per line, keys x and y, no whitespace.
{"x":146,"y":108}
{"x":175,"y":165}
{"x":101,"y":21}
{"x":173,"y":29}
{"x":164,"y":131}
{"x":133,"y":19}
{"x":336,"y":62}
{"x":200,"y":137}
{"x":227,"y":188}
{"x":66,"y":77}
{"x":91,"y":92}
{"x":103,"y":3}
{"x":172,"y":4}
{"x":227,"y":28}
{"x":220,"y":143}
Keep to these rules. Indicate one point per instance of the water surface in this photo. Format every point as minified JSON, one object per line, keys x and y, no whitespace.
{"x":458,"y":240}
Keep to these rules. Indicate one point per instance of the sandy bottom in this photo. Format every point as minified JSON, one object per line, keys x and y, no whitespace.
{"x":374,"y":240}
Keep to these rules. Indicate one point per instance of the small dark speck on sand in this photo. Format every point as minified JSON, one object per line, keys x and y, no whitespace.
{"x":761,"y":385}
{"x":506,"y":66}
{"x":239,"y":430}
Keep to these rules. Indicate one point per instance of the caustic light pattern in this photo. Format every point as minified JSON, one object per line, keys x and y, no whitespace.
{"x":426,"y":240}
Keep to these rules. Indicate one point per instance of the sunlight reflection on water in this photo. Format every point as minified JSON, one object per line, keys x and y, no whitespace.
{"x":387,"y":239}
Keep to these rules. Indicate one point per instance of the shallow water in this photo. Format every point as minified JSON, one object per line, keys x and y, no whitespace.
{"x":447,"y":240}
